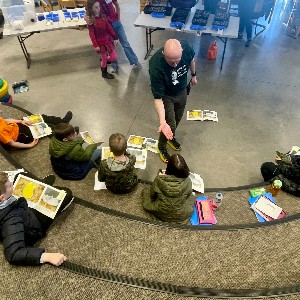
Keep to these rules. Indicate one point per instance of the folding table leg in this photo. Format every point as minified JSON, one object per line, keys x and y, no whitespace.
{"x":149,"y":44}
{"x":21,"y":40}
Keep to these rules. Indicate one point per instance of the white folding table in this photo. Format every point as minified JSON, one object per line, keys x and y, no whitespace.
{"x":41,"y":26}
{"x":153,"y":24}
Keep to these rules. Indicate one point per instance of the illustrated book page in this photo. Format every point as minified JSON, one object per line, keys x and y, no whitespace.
{"x":136,"y":141}
{"x":202,"y":115}
{"x":141,"y":157}
{"x":151,"y":145}
{"x":38,"y":128}
{"x":41,"y":197}
{"x":197,"y":182}
{"x":106,"y":153}
{"x":99,"y":185}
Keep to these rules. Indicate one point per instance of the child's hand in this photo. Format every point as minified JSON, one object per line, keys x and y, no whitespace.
{"x":55,"y":259}
{"x":33,"y":143}
{"x":27,"y":123}
{"x":277,"y":158}
{"x":88,"y":19}
{"x":97,"y":49}
{"x":116,"y":42}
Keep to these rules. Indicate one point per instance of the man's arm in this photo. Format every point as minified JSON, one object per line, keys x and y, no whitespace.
{"x":19,"y":145}
{"x":163,"y":126}
{"x":193,"y":72}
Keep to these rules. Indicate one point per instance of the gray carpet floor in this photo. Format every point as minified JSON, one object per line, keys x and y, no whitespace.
{"x":235,"y":254}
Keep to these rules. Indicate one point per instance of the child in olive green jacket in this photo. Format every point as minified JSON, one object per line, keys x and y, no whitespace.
{"x":68,"y":158}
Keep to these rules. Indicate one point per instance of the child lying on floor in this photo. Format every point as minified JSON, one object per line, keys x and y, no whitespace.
{"x":21,"y":227}
{"x":16,"y":133}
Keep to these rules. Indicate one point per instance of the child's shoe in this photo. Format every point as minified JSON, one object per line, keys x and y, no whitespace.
{"x":114,"y":69}
{"x":137,"y":65}
{"x":105,"y":74}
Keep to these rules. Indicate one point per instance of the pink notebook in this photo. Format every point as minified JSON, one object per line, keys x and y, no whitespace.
{"x":205,"y":212}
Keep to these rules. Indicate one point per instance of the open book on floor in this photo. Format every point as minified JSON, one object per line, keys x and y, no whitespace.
{"x":140,"y":142}
{"x":140,"y":154}
{"x":40,"y":196}
{"x":38,"y":128}
{"x":202,"y":115}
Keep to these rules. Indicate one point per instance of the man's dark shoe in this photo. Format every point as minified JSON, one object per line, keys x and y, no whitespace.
{"x":164,"y":155}
{"x":49,"y":179}
{"x":68,"y":117}
{"x":174,"y":144}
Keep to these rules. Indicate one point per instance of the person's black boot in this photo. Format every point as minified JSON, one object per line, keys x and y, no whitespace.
{"x":56,"y":120}
{"x":68,"y":117}
{"x":105,"y":74}
{"x":49,"y":179}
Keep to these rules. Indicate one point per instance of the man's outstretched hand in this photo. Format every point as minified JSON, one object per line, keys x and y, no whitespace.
{"x":166,"y":130}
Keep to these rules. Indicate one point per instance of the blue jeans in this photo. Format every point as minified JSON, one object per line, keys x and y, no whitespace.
{"x":120,"y":32}
{"x":95,"y":156}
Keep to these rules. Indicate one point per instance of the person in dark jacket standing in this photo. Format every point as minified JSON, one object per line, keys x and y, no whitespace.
{"x":68,"y":158}
{"x":21,"y":227}
{"x":171,"y":198}
{"x":286,"y":169}
{"x":246,"y":10}
{"x":168,"y":69}
{"x":118,"y":172}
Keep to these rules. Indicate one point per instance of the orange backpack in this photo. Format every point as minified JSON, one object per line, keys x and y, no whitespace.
{"x":212,"y":51}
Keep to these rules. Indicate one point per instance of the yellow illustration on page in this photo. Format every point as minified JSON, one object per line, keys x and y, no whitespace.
{"x":28,"y":189}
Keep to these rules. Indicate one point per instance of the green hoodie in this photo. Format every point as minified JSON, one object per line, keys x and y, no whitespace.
{"x":170,"y":199}
{"x":72,"y":149}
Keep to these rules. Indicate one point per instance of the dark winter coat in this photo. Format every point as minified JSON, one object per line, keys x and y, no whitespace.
{"x":19,"y":230}
{"x":119,"y":181}
{"x":170,"y":199}
{"x":289,"y":174}
{"x":69,"y":159}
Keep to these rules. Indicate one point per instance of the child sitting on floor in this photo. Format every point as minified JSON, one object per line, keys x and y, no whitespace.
{"x":69,"y":160}
{"x":171,"y":198}
{"x":118,"y":172}
{"x":102,"y":36}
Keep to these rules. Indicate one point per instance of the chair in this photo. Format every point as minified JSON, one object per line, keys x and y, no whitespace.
{"x":48,"y":4}
{"x":71,"y":3}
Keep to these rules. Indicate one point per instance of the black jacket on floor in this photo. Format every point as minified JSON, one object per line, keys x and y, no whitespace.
{"x":19,"y":230}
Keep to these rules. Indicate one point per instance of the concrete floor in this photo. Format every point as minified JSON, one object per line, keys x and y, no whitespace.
{"x":256,"y":95}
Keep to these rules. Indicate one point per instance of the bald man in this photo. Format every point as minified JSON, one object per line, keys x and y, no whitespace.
{"x":168,"y":69}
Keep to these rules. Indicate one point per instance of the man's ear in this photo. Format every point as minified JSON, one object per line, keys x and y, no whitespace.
{"x":2,"y":197}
